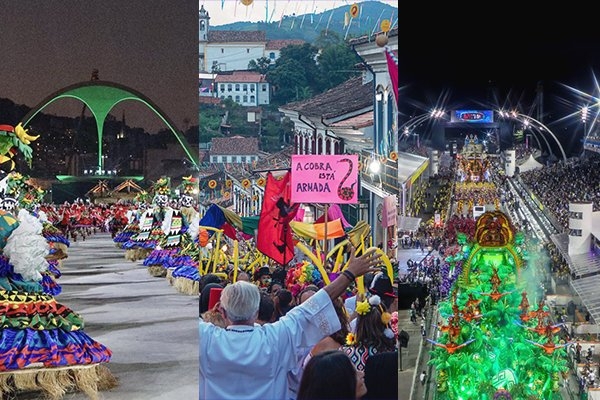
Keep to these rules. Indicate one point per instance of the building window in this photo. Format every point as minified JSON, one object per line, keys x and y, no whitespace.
{"x":575,"y":232}
{"x":252,"y":88}
{"x":222,"y":51}
{"x":237,"y":99}
{"x":248,"y":51}
{"x":245,"y":87}
{"x":245,"y":99}
{"x":222,"y":87}
{"x":264,"y":87}
{"x":230,"y":98}
{"x":243,"y":159}
{"x":229,"y":87}
{"x":272,"y":55}
{"x":252,"y":99}
{"x":237,"y":87}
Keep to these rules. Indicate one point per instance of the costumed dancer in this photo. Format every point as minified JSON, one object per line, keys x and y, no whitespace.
{"x":42,"y":343}
{"x":182,"y":266}
{"x":132,"y":227}
{"x":162,"y":217}
{"x":43,"y":346}
{"x":85,"y":218}
{"x":138,"y":246}
{"x":117,"y":220}
{"x":28,"y":198}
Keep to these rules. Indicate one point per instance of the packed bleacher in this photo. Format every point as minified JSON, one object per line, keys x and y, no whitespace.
{"x":561,"y":183}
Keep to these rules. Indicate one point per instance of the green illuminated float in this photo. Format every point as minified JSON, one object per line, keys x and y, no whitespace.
{"x":492,"y":345}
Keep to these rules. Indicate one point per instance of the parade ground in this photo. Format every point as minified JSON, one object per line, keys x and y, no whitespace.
{"x":151,"y":328}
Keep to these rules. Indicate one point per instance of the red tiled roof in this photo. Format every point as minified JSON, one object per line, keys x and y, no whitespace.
{"x":240,"y":77}
{"x":209,"y":100}
{"x":281,"y":43}
{"x":343,"y":99}
{"x":357,"y":122}
{"x":215,"y":36}
{"x":235,"y":145}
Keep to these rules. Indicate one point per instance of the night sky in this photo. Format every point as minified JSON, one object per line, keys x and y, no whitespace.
{"x":468,"y":47}
{"x":148,"y":45}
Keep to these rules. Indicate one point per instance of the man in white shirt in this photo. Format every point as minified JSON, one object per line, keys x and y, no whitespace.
{"x":248,"y":361}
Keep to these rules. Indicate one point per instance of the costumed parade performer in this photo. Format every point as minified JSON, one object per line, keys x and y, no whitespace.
{"x":43,"y":346}
{"x":122,"y":238}
{"x":21,"y":194}
{"x":182,"y":266}
{"x":163,"y":216}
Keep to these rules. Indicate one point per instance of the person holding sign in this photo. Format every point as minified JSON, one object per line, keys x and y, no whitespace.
{"x":249,"y":361}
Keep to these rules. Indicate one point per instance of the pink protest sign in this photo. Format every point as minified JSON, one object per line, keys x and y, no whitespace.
{"x":329,"y":179}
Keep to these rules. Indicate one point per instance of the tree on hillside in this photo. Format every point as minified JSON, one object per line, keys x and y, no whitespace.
{"x":260,"y":65}
{"x":295,"y":75}
{"x":288,"y":80}
{"x":276,"y":134}
{"x":336,"y":64}
{"x":210,"y":121}
{"x":327,"y":39}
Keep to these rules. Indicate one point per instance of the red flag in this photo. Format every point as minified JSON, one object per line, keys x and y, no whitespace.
{"x":392,"y":64}
{"x":274,"y":235}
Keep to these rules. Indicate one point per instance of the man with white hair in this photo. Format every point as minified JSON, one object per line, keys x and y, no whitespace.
{"x":250,"y":361}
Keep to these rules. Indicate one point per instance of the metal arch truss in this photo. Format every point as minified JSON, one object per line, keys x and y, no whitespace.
{"x":100,"y":97}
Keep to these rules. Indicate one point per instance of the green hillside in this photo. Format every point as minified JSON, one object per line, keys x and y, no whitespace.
{"x":308,"y":26}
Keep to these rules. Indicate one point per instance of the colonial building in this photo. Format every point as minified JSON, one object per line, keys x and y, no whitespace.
{"x":247,"y":88}
{"x":227,"y":50}
{"x":359,"y":116}
{"x":382,"y":164}
{"x":234,"y":150}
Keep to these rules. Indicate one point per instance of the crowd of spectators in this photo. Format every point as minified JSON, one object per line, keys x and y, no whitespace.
{"x":561,"y":183}
{"x":284,"y":345}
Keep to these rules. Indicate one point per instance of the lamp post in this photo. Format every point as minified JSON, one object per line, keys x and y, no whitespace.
{"x":534,"y":124}
{"x":407,"y":127}
{"x":584,"y":118}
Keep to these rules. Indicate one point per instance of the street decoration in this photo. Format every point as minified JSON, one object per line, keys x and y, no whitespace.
{"x":354,"y":9}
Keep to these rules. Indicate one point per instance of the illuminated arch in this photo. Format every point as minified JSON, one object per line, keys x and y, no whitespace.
{"x":100,"y":97}
{"x":464,"y":279}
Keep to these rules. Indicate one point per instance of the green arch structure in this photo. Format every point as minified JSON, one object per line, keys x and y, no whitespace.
{"x":100,"y":97}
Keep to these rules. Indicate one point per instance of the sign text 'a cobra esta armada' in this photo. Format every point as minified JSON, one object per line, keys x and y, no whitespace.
{"x":325,"y":179}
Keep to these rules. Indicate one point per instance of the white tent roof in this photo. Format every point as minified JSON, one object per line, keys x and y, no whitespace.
{"x":410,"y":166}
{"x":530,"y":164}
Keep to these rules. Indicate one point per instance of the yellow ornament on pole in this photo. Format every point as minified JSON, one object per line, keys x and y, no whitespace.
{"x":247,"y":2}
{"x":354,"y":10}
{"x":385,"y":25}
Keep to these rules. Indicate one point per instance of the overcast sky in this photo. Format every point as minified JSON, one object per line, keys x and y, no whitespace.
{"x":148,"y":45}
{"x":227,"y":11}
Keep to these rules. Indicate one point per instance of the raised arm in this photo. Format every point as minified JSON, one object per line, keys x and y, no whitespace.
{"x":357,"y":266}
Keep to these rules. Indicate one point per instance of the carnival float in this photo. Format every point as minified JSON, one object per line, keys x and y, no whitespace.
{"x":495,"y":339}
